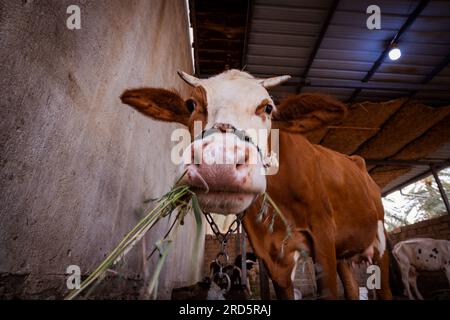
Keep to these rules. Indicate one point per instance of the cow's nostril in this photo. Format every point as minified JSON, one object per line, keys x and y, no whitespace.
{"x":247,"y":156}
{"x":243,"y":159}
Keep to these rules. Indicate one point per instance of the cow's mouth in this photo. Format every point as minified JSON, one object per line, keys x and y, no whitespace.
{"x":223,"y":194}
{"x":224,"y":187}
{"x":224,"y":202}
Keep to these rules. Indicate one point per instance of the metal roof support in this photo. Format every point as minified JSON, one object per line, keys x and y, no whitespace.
{"x":243,"y":256}
{"x":263,"y":281}
{"x":441,"y":188}
{"x":433,"y":73}
{"x":193,"y":19}
{"x":412,"y":17}
{"x":413,"y":180}
{"x":322,"y":33}
{"x":247,"y":33}
{"x":408,"y":163}
{"x":385,"y":85}
{"x":354,"y":94}
{"x":437,"y":69}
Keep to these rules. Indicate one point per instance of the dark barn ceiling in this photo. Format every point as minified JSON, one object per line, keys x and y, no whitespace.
{"x":220,"y":32}
{"x":398,"y":117}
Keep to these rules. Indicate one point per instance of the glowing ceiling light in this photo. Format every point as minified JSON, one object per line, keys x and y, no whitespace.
{"x":395,"y":54}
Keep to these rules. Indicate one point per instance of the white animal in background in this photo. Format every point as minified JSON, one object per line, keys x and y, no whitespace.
{"x":421,"y":254}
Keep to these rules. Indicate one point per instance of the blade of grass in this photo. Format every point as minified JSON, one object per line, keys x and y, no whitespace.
{"x":198,"y":233}
{"x":285,"y":221}
{"x":163,"y":253}
{"x":133,"y":237}
{"x":275,"y":207}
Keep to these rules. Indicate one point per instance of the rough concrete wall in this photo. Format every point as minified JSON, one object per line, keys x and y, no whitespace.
{"x":76,"y":164}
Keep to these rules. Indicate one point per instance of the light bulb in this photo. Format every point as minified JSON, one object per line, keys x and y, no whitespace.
{"x":395,"y":54}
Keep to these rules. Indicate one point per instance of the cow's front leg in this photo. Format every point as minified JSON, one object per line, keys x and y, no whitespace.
{"x":384,"y":293}
{"x":351,"y":288}
{"x":327,"y":277}
{"x":413,"y":282}
{"x":284,"y":292}
{"x":280,"y":272}
{"x":447,"y":272}
{"x":282,"y":282}
{"x":326,"y":271}
{"x":405,"y":278}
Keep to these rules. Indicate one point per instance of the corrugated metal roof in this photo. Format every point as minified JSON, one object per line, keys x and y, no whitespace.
{"x":326,"y":46}
{"x":283,"y":34}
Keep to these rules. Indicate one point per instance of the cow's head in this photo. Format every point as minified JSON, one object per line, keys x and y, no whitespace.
{"x":235,"y":111}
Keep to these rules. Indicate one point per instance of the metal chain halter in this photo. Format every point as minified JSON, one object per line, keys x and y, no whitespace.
{"x":222,"y":258}
{"x":241,"y":134}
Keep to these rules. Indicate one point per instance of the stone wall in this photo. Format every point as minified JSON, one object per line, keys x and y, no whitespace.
{"x":75,"y":164}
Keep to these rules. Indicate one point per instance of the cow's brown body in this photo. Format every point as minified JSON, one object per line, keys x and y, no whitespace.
{"x":334,"y":207}
{"x":330,"y":200}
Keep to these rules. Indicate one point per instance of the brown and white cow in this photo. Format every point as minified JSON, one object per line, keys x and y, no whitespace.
{"x":329,"y":198}
{"x":421,"y":254}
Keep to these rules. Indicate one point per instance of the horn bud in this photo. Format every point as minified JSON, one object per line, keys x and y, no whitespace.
{"x":273,"y":82}
{"x":190,"y":80}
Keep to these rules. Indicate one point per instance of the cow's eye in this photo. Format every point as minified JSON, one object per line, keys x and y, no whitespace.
{"x":268,"y":109}
{"x":190,"y":105}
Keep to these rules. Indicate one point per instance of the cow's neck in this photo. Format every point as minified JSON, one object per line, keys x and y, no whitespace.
{"x":298,"y":157}
{"x":284,"y":191}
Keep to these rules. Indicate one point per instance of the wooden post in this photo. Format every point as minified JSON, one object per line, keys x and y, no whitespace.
{"x":263,"y":281}
{"x":237,"y":248}
{"x":244,"y":257}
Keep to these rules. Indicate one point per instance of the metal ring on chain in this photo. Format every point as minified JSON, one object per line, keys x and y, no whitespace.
{"x":226,"y":258}
{"x":220,"y":284}
{"x":220,"y":278}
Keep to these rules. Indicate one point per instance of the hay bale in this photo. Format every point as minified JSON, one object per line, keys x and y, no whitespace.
{"x":410,"y":122}
{"x":383,"y":175}
{"x":428,"y":143}
{"x":418,"y":149}
{"x":362,"y":115}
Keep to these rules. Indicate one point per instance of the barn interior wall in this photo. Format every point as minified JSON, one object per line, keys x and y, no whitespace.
{"x":212,"y":248}
{"x":436,"y":228}
{"x":430,"y":283}
{"x":75,"y":164}
{"x":303,"y":278}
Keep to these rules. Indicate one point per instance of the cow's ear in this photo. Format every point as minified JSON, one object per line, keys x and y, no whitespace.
{"x":307,"y":111}
{"x":159,"y":104}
